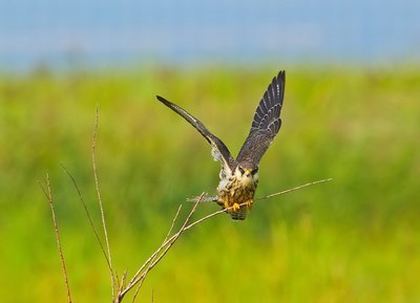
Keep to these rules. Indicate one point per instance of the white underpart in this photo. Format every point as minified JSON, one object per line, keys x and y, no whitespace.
{"x":246,"y":181}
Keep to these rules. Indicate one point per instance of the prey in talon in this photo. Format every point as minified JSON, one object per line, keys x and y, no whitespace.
{"x":239,"y":177}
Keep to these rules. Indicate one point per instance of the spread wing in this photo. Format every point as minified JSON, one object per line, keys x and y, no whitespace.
{"x":266,"y":123}
{"x":219,"y":150}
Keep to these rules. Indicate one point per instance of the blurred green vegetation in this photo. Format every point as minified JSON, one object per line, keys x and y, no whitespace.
{"x":356,"y":239}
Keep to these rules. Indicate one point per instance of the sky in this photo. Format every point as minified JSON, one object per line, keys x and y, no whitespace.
{"x":108,"y":33}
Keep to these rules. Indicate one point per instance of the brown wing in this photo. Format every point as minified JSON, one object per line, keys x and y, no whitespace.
{"x":219,"y":150}
{"x":266,"y":123}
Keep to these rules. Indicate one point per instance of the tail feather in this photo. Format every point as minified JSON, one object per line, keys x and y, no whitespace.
{"x":240,"y":214}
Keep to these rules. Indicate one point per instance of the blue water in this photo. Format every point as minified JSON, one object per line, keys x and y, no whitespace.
{"x":113,"y":33}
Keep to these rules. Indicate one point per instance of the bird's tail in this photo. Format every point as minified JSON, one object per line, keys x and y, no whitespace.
{"x":240,"y":214}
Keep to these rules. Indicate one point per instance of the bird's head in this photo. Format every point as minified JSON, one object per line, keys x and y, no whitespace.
{"x":246,"y":172}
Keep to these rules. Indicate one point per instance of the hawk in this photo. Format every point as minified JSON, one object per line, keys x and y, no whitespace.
{"x":239,"y":177}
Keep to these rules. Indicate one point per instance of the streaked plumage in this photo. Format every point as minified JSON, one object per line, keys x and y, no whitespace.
{"x":239,"y":177}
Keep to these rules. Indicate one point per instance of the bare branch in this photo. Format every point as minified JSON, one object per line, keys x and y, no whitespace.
{"x":48,"y":194}
{"x":99,"y":196}
{"x":294,"y":188}
{"x":173,"y":222}
{"x":92,"y":225}
{"x":170,"y":243}
{"x":157,"y":256}
{"x":122,"y":282}
{"x":137,"y":291}
{"x":154,"y":255}
{"x":151,"y":258}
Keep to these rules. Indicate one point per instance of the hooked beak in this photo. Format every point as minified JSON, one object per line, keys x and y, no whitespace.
{"x":247,"y":172}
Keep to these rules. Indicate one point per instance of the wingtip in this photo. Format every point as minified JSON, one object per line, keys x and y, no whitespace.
{"x":279,"y":78}
{"x":163,"y":100}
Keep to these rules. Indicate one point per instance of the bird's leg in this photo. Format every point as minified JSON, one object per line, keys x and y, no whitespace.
{"x":235,"y":207}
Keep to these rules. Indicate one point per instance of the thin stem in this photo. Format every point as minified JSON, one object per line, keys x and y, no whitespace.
{"x":155,"y":258}
{"x":92,"y":225}
{"x":99,"y":196}
{"x":187,"y":227}
{"x":166,"y":238}
{"x":173,"y":222}
{"x":294,"y":189}
{"x":48,"y":194}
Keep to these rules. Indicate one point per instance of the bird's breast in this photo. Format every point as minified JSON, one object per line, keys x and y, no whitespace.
{"x":236,"y":191}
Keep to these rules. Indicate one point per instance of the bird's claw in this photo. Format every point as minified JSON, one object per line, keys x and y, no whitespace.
{"x":236,"y":207}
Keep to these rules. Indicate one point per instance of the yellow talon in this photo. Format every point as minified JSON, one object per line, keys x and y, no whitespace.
{"x":235,"y":207}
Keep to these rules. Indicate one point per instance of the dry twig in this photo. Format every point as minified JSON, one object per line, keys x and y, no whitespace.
{"x":87,"y":212}
{"x":101,"y":208}
{"x":48,"y":194}
{"x":166,"y":238}
{"x":157,"y":256}
{"x":294,"y":189}
{"x":154,"y":259}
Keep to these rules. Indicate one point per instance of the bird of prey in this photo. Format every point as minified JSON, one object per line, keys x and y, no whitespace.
{"x":239,"y":177}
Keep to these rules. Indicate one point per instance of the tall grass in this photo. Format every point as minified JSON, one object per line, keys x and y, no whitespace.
{"x":354,"y":240}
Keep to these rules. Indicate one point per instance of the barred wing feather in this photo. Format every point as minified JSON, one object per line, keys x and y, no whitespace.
{"x":266,"y":123}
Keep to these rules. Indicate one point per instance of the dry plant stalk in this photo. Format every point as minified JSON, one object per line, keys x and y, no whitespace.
{"x":161,"y":251}
{"x":294,"y":188}
{"x":166,"y":238}
{"x":119,"y":287}
{"x":88,"y":215}
{"x":101,"y":208}
{"x":48,"y":194}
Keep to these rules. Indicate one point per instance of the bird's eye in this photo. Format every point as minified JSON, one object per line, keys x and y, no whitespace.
{"x":241,"y":170}
{"x":254,"y":171}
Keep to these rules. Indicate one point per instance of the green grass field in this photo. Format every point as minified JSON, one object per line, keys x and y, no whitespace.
{"x":356,"y":239}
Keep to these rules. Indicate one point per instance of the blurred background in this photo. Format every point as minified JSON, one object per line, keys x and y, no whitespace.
{"x":352,"y":112}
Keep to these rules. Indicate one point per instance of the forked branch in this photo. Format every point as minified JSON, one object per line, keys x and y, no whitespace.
{"x":89,"y":216}
{"x":161,"y":251}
